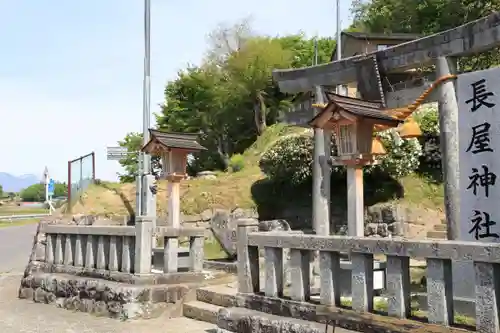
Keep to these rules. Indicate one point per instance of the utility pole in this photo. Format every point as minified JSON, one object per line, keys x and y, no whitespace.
{"x":146,"y":201}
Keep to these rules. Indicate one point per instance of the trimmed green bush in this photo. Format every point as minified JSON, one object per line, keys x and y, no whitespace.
{"x":290,"y":159}
{"x":237,"y":162}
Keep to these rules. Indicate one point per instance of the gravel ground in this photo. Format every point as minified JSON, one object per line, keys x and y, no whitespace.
{"x":21,"y":316}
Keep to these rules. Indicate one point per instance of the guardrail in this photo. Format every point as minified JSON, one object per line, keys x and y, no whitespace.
{"x":11,"y":218}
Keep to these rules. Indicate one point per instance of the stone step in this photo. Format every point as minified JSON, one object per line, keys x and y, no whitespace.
{"x":440,"y":227}
{"x":201,"y":311}
{"x":437,"y":235}
{"x":220,"y":295}
{"x":228,"y":319}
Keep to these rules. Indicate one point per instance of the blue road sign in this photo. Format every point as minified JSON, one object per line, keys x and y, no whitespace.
{"x":51,"y":187}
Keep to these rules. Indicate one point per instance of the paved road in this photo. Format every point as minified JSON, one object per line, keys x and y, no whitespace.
{"x":15,"y":247}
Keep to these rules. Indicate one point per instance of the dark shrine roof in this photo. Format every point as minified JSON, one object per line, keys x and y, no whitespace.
{"x":358,"y":107}
{"x":186,"y":141}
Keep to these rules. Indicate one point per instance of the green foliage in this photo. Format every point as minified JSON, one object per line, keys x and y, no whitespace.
{"x":290,"y":159}
{"x":133,"y":143}
{"x":402,"y":156}
{"x":427,"y":118}
{"x":230,"y":98}
{"x":1,"y":191}
{"x":237,"y":162}
{"x":430,"y":161}
{"x":36,"y":192}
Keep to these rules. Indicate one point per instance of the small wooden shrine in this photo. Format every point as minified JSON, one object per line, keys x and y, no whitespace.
{"x":354,"y":123}
{"x":173,"y":148}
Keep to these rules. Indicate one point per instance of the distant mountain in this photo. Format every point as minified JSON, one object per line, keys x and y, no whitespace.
{"x":11,"y":183}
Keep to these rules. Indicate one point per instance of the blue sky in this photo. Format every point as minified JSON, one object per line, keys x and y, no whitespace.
{"x":71,"y":71}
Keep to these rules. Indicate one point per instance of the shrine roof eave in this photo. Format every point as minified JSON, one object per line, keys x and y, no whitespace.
{"x":169,"y":140}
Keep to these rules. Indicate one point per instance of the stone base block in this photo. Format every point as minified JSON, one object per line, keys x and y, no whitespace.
{"x":37,"y":267}
{"x":242,"y":320}
{"x":106,"y":298}
{"x":285,"y":311}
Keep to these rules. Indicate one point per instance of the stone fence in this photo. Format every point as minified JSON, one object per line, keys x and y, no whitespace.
{"x":438,"y":254}
{"x":111,"y":251}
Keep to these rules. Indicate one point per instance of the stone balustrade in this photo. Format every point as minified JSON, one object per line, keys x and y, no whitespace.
{"x":438,"y":254}
{"x":111,"y":248}
{"x":118,"y":249}
{"x":171,"y":238}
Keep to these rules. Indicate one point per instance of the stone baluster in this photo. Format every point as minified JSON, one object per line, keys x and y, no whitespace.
{"x":487,"y":276}
{"x":68,"y":250}
{"x":329,"y":268}
{"x":248,"y":257}
{"x":273,"y":265}
{"x":58,"y":250}
{"x":49,"y":249}
{"x":89,"y":252}
{"x":127,"y":244}
{"x":196,"y":253}
{"x":398,"y":286}
{"x":300,"y":275}
{"x":439,"y":291}
{"x":113,"y":254}
{"x":78,"y":251}
{"x":143,"y":244}
{"x":170,"y":254}
{"x":101,"y":255}
{"x":362,"y":282}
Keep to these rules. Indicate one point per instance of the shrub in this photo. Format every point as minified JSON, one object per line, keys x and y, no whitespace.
{"x":402,"y":156}
{"x":428,"y":119}
{"x":237,"y":162}
{"x":290,"y":159}
{"x":430,"y":161}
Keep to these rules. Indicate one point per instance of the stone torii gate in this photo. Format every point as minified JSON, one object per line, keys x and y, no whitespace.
{"x":370,"y":71}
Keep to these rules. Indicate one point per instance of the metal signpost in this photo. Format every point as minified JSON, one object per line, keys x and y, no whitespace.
{"x":50,"y":186}
{"x":117,"y":153}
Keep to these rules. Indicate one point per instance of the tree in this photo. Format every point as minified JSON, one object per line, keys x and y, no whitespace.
{"x":230,"y":98}
{"x":36,"y":192}
{"x":1,"y":191}
{"x":250,"y":72}
{"x":133,"y":143}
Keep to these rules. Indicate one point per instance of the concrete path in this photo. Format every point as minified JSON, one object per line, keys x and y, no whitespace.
{"x":21,"y":316}
{"x":15,"y":247}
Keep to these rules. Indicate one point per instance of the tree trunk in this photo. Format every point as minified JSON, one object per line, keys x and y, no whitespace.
{"x":222,"y":149}
{"x":259,"y":109}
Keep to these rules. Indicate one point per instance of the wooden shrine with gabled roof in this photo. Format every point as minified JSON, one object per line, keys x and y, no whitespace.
{"x":353,"y":122}
{"x":173,"y":149}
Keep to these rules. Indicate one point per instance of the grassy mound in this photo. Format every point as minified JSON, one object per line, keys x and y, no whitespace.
{"x":233,"y":189}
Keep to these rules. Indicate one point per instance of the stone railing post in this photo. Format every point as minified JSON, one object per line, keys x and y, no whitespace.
{"x":248,"y":257}
{"x":143,"y":244}
{"x":196,"y":253}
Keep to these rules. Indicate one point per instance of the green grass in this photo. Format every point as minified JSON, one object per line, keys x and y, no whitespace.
{"x":16,"y":210}
{"x":381,"y":305}
{"x":6,"y":224}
